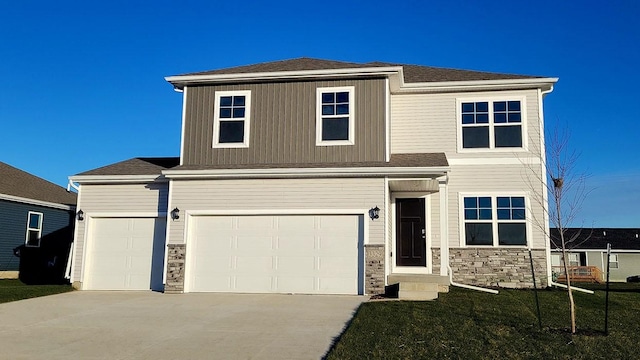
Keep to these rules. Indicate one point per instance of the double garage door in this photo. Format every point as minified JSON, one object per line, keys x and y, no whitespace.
{"x":125,"y":254}
{"x":310,"y":254}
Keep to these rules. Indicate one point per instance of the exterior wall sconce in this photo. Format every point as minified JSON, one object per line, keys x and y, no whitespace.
{"x":175,"y":214}
{"x":374,"y":213}
{"x":80,"y":215}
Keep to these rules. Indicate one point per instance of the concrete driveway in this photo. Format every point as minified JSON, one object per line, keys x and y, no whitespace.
{"x":146,"y":325}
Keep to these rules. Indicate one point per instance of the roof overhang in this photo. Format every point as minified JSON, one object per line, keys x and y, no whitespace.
{"x":180,"y":81}
{"x":544,"y":84}
{"x":413,"y":185}
{"x":427,"y":172}
{"x":36,"y":202}
{"x":117,"y":179}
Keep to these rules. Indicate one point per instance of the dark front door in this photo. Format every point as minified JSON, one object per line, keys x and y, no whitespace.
{"x":411,"y":230}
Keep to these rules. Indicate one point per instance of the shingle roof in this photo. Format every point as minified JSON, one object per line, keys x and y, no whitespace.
{"x":412,"y":73}
{"x":597,"y":238}
{"x":397,"y":160}
{"x":15,"y":182}
{"x":136,"y":166}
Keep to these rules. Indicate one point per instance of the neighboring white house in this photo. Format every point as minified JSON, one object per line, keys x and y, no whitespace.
{"x":317,"y":176}
{"x":590,"y":249}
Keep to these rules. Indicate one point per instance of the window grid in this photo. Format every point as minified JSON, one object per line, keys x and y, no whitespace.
{"x":491,"y":124}
{"x":505,"y":214}
{"x":231,"y":119}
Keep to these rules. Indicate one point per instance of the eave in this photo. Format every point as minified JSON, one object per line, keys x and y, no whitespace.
{"x":116,"y":179}
{"x":36,"y":202}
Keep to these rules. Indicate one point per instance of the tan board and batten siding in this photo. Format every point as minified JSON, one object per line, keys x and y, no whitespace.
{"x":283,"y":124}
{"x":423,"y":123}
{"x":118,"y":200}
{"x":280,"y":194}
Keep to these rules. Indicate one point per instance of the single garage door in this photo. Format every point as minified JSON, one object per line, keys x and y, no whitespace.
{"x":309,"y":254}
{"x":125,"y":254}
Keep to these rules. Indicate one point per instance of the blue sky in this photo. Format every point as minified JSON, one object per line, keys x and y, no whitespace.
{"x":83,"y":83}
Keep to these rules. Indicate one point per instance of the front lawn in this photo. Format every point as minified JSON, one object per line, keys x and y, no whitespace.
{"x":465,"y":324}
{"x":13,"y":290}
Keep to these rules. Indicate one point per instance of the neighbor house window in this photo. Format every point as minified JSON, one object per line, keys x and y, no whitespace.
{"x":34,"y":229}
{"x":231,"y":119}
{"x":335,"y":116}
{"x":494,"y":220}
{"x":491,"y":124}
{"x":613,"y":261}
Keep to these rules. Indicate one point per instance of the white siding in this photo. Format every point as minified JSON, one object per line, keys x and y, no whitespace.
{"x":498,"y":179}
{"x":279,"y":194}
{"x":116,"y":199}
{"x":424,"y":123}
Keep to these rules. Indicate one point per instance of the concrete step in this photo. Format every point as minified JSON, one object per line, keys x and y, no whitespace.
{"x":418,"y":286}
{"x":417,"y":295}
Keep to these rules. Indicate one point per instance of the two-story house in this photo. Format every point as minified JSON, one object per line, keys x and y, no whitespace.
{"x":317,"y":176}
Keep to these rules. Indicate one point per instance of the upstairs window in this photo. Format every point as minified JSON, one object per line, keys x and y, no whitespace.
{"x":494,"y":220}
{"x":491,"y":124}
{"x":34,"y":229}
{"x":335,"y":116}
{"x":231,"y":120}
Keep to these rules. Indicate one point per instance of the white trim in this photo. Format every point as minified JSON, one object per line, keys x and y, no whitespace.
{"x":305,"y":172}
{"x":622,"y":251}
{"x":76,"y":229}
{"x":387,"y":120}
{"x":476,"y":85}
{"x":184,"y":117}
{"x":38,"y":229}
{"x":183,"y":80}
{"x":319,"y":117}
{"x":443,"y":187}
{"x":116,"y":179}
{"x":494,"y":161}
{"x":494,"y":218}
{"x":492,"y":125}
{"x":35,"y":202}
{"x":167,"y":232}
{"x":247,"y":119}
{"x":192,"y":214}
{"x":120,"y":214}
{"x":386,"y":237}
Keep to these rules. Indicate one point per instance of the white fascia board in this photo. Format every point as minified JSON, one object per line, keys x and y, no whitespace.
{"x":114,"y":179}
{"x":36,"y":202}
{"x":182,"y":80}
{"x":306,"y":172}
{"x":476,"y":85}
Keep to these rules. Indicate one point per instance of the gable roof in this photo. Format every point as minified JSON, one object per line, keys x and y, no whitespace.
{"x":412,"y":73}
{"x":17,"y":183}
{"x":597,"y":238}
{"x":136,"y":166}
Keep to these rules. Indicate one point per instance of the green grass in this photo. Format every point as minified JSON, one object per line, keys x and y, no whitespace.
{"x":465,"y":324}
{"x":14,"y":290}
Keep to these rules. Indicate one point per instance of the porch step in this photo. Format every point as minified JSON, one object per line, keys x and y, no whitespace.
{"x":419,"y":287}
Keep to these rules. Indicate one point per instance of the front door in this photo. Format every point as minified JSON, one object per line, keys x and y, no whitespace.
{"x":411,"y":230}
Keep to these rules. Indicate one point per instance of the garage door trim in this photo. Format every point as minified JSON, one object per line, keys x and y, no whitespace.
{"x":89,"y":220}
{"x":192,"y":215}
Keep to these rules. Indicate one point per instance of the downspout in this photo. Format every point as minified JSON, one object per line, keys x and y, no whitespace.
{"x":471,"y":287}
{"x":546,"y":213}
{"x":70,"y":185}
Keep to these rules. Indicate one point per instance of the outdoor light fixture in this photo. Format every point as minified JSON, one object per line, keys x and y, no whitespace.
{"x":374,"y":213}
{"x":175,"y":214}
{"x":80,"y":215}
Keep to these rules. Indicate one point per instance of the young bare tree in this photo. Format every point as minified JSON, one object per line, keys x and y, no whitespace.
{"x":565,"y":193}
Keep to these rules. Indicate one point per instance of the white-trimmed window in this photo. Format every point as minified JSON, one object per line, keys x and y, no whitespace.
{"x":491,"y":124}
{"x":232,"y":119}
{"x":34,"y":229}
{"x":613,"y":261}
{"x":335,"y":116}
{"x":494,"y":220}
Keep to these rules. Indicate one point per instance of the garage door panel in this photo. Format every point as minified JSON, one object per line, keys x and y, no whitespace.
{"x":275,"y":253}
{"x":125,"y":254}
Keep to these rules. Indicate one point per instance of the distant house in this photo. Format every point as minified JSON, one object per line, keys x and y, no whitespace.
{"x":34,"y":214}
{"x":590,"y":249}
